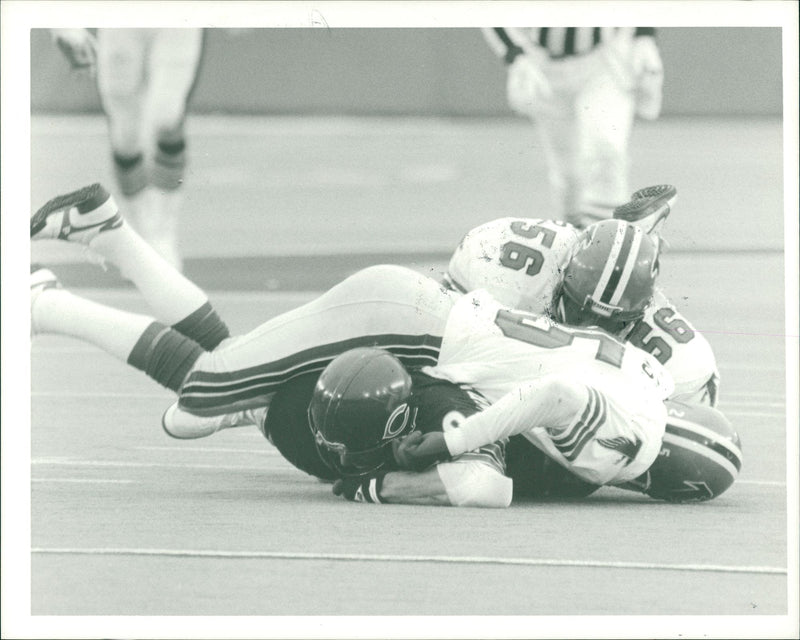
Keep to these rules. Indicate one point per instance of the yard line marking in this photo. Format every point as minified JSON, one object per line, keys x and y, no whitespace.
{"x":753,"y":403}
{"x":121,"y":464}
{"x":355,"y":557}
{"x":728,"y":407}
{"x":262,"y":452}
{"x":83,"y":480}
{"x":124,"y":464}
{"x":763,"y":414}
{"x":101,"y":394}
{"x":750,"y":368}
{"x":777,"y":395}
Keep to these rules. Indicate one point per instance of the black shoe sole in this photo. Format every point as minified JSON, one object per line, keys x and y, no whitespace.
{"x":85,"y":199}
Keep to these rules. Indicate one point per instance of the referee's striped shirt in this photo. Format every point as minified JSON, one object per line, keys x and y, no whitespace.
{"x":558,"y":42}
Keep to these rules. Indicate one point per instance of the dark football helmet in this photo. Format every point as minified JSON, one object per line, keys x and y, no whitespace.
{"x":359,"y":406}
{"x":609,"y":280}
{"x":700,"y":457}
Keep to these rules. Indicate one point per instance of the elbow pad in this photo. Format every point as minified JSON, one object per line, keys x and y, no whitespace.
{"x":473,"y":483}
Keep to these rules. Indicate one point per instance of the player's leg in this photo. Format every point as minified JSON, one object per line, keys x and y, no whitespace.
{"x":538,"y":476}
{"x":385,"y":306}
{"x":173,"y":65}
{"x":138,"y":340}
{"x":121,"y":82}
{"x":606,"y":113}
{"x":556,"y":131}
{"x":90,"y":216}
{"x":558,"y":137}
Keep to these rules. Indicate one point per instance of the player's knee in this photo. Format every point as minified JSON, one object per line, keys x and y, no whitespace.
{"x":168,"y":121}
{"x":381,"y":277}
{"x":476,"y":484}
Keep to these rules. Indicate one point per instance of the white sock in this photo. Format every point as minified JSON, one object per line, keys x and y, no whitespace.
{"x":61,"y":312}
{"x":171,"y":295}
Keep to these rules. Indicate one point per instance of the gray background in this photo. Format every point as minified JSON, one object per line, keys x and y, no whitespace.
{"x":451,"y":71}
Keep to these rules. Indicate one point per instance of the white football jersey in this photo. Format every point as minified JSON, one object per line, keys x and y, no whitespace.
{"x":495,"y":350}
{"x":667,"y":335}
{"x":518,"y":260}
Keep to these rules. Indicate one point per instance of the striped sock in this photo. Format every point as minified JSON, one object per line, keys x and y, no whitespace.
{"x":165,"y":355}
{"x":204,"y":326}
{"x":130,"y":173}
{"x":169,"y":165}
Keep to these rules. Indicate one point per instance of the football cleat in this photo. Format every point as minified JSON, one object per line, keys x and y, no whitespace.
{"x":183,"y":425}
{"x":649,"y":208}
{"x":78,"y":216}
{"x":41,"y":279}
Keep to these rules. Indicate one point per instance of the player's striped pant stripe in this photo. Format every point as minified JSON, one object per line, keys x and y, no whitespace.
{"x":620,"y":264}
{"x":572,"y":443}
{"x":706,"y":438}
{"x":210,"y":392}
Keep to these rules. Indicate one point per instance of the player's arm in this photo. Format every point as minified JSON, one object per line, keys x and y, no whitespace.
{"x":550,"y":402}
{"x":79,"y":47}
{"x":648,"y":73}
{"x":526,"y":85}
{"x":461,"y":483}
{"x":475,"y":479}
{"x":505,"y":42}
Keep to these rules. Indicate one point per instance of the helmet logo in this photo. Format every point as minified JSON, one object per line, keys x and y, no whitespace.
{"x":397,"y":422}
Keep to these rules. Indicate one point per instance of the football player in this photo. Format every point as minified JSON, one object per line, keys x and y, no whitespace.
{"x":265,"y":376}
{"x":582,"y":87}
{"x":699,"y":459}
{"x":145,"y":78}
{"x":530,"y":264}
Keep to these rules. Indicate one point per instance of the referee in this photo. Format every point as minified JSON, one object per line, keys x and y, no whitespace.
{"x":583,"y":88}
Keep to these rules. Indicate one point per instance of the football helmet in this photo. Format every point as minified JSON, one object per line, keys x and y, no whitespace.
{"x":359,"y":406}
{"x":609,"y":280}
{"x":700,"y":457}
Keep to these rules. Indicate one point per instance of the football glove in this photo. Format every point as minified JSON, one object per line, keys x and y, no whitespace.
{"x":418,"y":451}
{"x":360,"y":489}
{"x":648,"y":74}
{"x":79,"y":47}
{"x":527,"y":86}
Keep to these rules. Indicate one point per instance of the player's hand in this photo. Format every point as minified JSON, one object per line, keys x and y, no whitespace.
{"x":360,"y":489}
{"x":418,"y":451}
{"x":527,"y":86}
{"x":79,"y":47}
{"x":648,"y":74}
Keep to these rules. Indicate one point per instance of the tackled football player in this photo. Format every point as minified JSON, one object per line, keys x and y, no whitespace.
{"x":235,"y":383}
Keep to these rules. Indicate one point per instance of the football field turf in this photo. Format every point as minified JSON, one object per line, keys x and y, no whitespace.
{"x":128,"y":522}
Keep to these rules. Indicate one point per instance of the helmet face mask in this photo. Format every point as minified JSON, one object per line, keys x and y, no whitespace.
{"x":347,"y":462}
{"x":610,"y":279}
{"x":588,"y":314}
{"x":360,"y":405}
